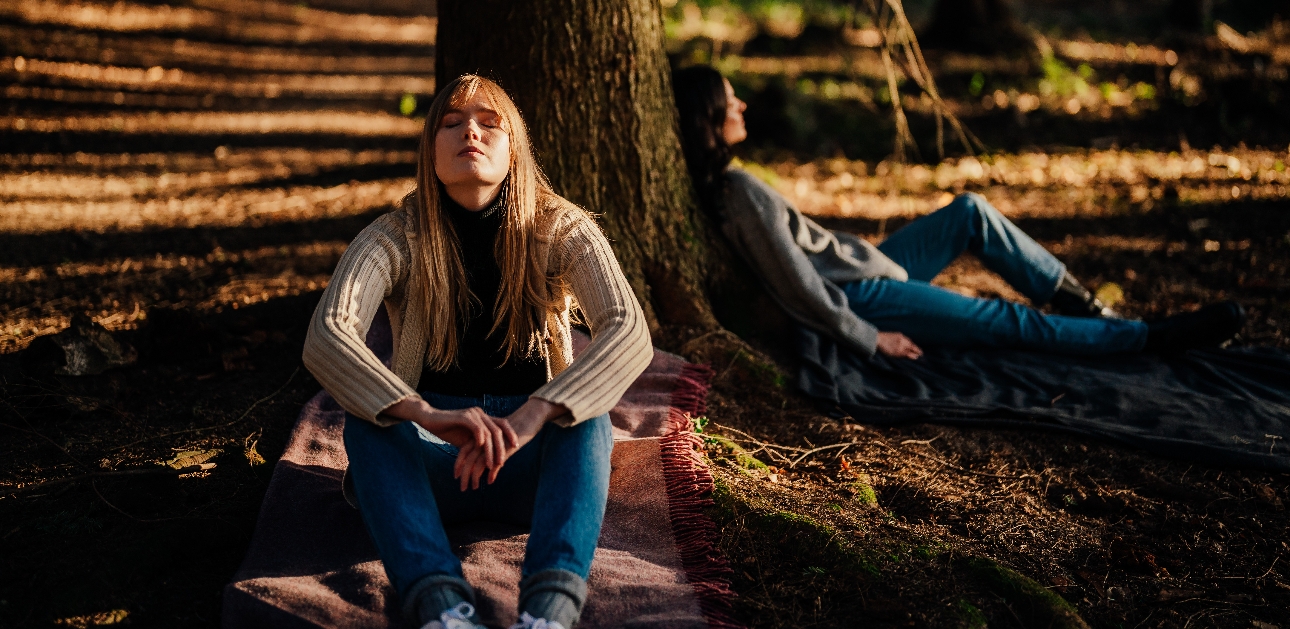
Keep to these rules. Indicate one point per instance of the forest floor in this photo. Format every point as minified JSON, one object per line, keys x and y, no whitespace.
{"x":204,"y":240}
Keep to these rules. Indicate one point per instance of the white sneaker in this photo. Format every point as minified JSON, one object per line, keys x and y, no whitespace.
{"x":456,"y":618}
{"x":529,"y":622}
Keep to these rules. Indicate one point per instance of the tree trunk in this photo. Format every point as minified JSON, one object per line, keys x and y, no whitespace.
{"x":975,"y":26}
{"x":592,"y":80}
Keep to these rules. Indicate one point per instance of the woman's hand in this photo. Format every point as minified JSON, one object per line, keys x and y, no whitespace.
{"x":897,"y":345}
{"x":492,"y":438}
{"x":525,"y":423}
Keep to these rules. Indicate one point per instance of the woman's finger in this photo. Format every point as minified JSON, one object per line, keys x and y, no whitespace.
{"x":512,"y":439}
{"x":463,"y":454}
{"x":477,"y":472}
{"x":505,"y":440}
{"x":486,"y":450}
{"x":470,"y":469}
{"x":477,"y":424}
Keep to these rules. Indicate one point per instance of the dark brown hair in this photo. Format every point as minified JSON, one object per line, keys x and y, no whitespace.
{"x":701,"y":105}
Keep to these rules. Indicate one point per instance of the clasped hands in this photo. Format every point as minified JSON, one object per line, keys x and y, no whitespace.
{"x":483,"y":442}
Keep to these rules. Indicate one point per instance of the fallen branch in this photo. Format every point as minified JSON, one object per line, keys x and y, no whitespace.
{"x":821,"y":449}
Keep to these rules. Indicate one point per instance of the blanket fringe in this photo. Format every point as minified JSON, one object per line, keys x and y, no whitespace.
{"x":689,"y":487}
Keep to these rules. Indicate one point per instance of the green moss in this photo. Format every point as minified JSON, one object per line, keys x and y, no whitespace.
{"x":1035,"y":604}
{"x":741,"y":456}
{"x":810,"y":542}
{"x":969,"y":616}
{"x":863,"y":488}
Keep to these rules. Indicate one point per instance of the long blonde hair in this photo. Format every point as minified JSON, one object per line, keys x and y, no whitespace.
{"x":525,"y":295}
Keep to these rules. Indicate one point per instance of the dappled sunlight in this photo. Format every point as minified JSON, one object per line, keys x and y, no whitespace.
{"x":237,"y":19}
{"x":207,"y":172}
{"x":227,"y":208}
{"x":107,"y":48}
{"x":157,"y":78}
{"x":219,"y":123}
{"x":118,"y":293}
{"x":1032,"y":184}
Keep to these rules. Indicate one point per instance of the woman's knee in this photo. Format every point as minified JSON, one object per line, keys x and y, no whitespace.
{"x":973,"y":206}
{"x":362,"y":437}
{"x":591,"y":439}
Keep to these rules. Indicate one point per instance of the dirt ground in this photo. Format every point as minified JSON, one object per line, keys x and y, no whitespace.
{"x":203,"y":241}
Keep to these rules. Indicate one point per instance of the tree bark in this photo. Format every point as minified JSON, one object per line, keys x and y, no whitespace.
{"x":593,"y":82}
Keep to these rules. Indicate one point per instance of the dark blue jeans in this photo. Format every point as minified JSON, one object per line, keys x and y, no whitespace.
{"x":935,"y":316}
{"x":557,"y":485}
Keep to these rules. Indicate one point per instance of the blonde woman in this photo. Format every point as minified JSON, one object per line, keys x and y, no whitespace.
{"x":484,"y":413}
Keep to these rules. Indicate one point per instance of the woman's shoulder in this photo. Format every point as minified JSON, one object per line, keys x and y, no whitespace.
{"x":391,"y":227}
{"x":745,"y":191}
{"x":559,"y":218}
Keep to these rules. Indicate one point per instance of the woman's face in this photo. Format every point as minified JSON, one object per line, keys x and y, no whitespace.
{"x":471,"y":150}
{"x":733,"y":129}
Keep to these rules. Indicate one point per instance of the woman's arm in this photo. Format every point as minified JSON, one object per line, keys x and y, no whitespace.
{"x":335,"y":351}
{"x":759,"y":219}
{"x":620,"y":348}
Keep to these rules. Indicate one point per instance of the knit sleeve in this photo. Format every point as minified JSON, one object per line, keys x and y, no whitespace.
{"x":335,"y":350}
{"x":620,"y":347}
{"x":758,"y":224}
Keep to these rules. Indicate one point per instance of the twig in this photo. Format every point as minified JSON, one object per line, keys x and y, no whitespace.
{"x":239,"y":418}
{"x":920,"y":442}
{"x":821,"y":449}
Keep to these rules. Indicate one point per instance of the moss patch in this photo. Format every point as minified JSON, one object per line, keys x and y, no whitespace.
{"x":1032,"y":602}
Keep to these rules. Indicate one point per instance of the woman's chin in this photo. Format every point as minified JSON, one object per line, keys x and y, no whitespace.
{"x":472,"y":177}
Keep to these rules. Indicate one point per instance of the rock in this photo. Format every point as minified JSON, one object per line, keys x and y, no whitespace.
{"x":83,"y":349}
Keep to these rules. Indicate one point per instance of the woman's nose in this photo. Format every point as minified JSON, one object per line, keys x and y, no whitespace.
{"x":473,"y":131}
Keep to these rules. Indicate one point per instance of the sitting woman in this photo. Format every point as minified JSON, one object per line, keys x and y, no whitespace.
{"x":880,"y":299}
{"x":479,"y":271}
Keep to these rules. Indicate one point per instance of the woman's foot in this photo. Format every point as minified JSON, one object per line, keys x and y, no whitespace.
{"x":1210,"y":326}
{"x":1073,"y":300}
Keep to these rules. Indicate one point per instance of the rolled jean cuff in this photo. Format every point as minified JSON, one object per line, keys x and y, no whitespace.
{"x":554,"y":580}
{"x":434,"y":581}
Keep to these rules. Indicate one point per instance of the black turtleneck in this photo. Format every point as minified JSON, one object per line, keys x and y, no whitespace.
{"x":479,"y":369}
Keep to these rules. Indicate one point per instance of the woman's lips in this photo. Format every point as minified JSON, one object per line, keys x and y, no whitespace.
{"x":468,"y":150}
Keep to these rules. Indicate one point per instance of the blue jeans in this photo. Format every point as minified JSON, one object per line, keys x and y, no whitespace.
{"x":935,"y":316}
{"x":557,"y":485}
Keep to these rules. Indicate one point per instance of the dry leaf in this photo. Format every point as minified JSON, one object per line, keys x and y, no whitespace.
{"x":189,"y":458}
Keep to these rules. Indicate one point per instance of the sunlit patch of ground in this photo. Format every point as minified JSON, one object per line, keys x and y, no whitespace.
{"x":1037,"y":185}
{"x":118,"y":293}
{"x":208,"y":209}
{"x":219,"y":123}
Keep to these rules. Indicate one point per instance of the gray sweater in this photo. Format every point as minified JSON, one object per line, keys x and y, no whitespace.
{"x":800,"y":262}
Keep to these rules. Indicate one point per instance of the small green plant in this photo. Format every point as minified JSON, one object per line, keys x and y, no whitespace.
{"x":862,"y":486}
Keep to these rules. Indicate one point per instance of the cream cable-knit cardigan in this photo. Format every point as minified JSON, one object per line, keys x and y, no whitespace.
{"x":376,"y":268}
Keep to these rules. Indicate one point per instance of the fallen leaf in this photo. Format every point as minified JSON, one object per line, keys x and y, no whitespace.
{"x":189,"y":458}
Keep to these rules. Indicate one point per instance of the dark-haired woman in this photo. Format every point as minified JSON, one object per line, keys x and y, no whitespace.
{"x":880,"y":299}
{"x":479,"y":271}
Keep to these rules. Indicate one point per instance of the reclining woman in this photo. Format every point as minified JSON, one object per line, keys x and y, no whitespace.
{"x":880,"y":299}
{"x":479,"y":272}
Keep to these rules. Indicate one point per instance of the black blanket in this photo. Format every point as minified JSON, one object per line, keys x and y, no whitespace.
{"x":1222,"y":407}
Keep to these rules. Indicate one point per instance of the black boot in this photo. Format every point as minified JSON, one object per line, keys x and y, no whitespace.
{"x":1210,"y":326}
{"x":1073,"y":300}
